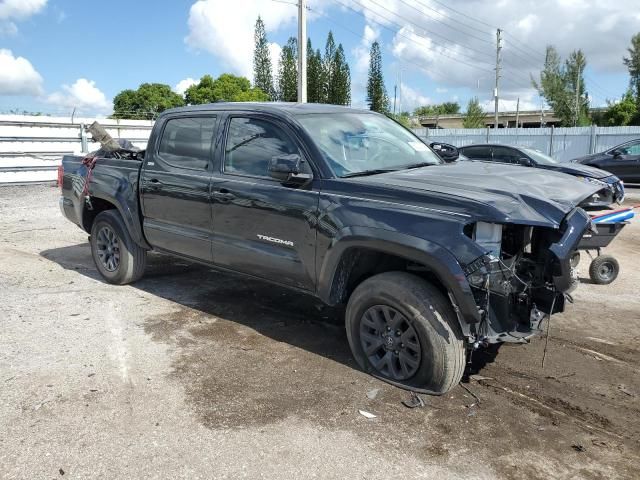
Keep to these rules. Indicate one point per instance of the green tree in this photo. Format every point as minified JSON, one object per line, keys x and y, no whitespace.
{"x":262,"y":70}
{"x":474,"y":116}
{"x":446,"y":108}
{"x":225,"y":88}
{"x":328,"y":69}
{"x":621,"y":113}
{"x":340,"y":86}
{"x":560,"y":84}
{"x":145,"y":102}
{"x":632,"y":62}
{"x":314,"y":75}
{"x":574,"y":81}
{"x":377,"y":97}
{"x":403,"y":118}
{"x":288,"y":72}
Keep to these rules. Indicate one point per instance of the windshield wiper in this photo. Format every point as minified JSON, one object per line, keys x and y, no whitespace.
{"x":364,"y":173}
{"x":417,"y":165}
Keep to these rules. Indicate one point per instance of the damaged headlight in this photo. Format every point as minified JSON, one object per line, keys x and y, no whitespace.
{"x":594,"y":181}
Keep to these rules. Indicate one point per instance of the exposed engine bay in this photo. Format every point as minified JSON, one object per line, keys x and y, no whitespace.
{"x":524,"y":277}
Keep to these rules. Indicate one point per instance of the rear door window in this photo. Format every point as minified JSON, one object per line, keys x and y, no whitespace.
{"x":506,"y":155}
{"x":186,"y":142}
{"x":477,"y":153}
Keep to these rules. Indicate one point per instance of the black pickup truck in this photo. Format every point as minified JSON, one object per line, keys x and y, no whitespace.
{"x":432,"y":260}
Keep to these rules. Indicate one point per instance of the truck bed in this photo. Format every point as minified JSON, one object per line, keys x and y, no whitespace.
{"x":114,"y":180}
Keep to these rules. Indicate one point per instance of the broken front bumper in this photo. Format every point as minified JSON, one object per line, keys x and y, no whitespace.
{"x":516,"y":294}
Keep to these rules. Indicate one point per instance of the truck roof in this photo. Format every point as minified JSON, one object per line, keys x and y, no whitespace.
{"x":290,"y":108}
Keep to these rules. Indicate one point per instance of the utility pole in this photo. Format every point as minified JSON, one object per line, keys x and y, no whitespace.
{"x":575,"y":119}
{"x":518,"y":113}
{"x":395,"y":96}
{"x":495,"y":93}
{"x":302,"y":51}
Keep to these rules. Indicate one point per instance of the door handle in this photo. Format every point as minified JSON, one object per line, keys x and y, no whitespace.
{"x":153,"y":185}
{"x":223,"y":195}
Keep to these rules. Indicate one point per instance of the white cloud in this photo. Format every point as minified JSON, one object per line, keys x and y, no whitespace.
{"x":456,"y":51}
{"x":17,"y":10}
{"x":183,"y":84}
{"x":17,"y":76}
{"x":441,"y":90}
{"x":409,"y":99}
{"x":227,"y":31}
{"x":83,"y":95}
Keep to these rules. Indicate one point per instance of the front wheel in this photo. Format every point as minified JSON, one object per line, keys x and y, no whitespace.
{"x":118,"y":258}
{"x":403,"y":329}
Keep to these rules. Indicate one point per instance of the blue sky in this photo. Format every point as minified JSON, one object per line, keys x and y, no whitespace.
{"x":57,"y":54}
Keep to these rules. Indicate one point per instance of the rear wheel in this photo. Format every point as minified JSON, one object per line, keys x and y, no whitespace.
{"x":117,"y":257}
{"x":403,"y":329}
{"x":604,"y":269}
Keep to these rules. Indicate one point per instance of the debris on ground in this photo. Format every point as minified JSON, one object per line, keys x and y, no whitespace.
{"x":366,"y":414}
{"x":414,"y":402}
{"x":372,"y":394}
{"x":578,"y":448}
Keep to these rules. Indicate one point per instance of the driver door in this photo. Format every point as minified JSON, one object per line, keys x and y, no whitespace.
{"x":262,"y":227}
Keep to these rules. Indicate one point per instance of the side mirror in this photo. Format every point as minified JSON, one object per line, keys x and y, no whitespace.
{"x":616,"y":153}
{"x":447,"y":152}
{"x":526,"y":162}
{"x":287,"y":168}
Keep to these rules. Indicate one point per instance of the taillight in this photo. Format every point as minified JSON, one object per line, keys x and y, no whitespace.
{"x":60,"y":175}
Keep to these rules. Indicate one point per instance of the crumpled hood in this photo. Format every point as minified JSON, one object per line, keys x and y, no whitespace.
{"x":489,"y":192}
{"x":578,"y":169}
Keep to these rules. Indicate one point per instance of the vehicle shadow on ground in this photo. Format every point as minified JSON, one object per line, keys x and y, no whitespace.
{"x":276,"y":312}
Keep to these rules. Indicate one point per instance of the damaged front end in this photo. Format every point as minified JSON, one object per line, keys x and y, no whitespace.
{"x":524,"y":276}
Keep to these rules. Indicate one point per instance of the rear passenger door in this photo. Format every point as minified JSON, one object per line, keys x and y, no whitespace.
{"x":175,"y":183}
{"x":262,"y":227}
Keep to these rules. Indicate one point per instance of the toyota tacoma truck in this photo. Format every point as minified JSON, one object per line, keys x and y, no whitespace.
{"x":430,"y":260}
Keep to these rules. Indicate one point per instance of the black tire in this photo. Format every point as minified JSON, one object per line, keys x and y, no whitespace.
{"x":604,"y":269}
{"x":575,"y":259}
{"x":425,"y":315}
{"x":118,"y":258}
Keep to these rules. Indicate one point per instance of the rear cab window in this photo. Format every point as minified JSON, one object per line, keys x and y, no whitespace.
{"x":187,"y":142}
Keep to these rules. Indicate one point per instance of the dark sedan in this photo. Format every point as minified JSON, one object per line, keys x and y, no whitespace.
{"x":612,"y":188}
{"x":622,"y":160}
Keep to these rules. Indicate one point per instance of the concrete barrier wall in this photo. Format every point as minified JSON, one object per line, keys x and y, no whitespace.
{"x":31,"y":147}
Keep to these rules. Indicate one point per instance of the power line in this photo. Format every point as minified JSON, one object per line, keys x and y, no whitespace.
{"x":419,"y":27}
{"x":409,"y":38}
{"x":480,"y":39}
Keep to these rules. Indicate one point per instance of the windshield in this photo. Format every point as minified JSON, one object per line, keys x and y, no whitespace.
{"x":539,"y":157}
{"x":354,"y":143}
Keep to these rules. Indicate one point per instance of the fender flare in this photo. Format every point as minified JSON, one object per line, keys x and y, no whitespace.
{"x":130,"y":216}
{"x":425,"y":252}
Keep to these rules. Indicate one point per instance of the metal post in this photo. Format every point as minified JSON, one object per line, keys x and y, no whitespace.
{"x":83,"y":139}
{"x":592,"y":139}
{"x":488,"y":133}
{"x":495,"y":93}
{"x":551,"y":142}
{"x":302,"y":51}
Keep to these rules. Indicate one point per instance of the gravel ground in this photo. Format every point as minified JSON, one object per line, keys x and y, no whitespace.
{"x":192,"y":373}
